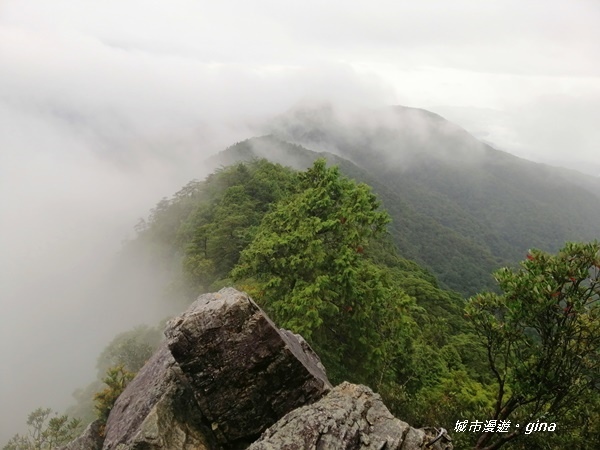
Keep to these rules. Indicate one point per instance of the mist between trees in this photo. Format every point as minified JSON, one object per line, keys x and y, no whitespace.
{"x":312,"y":248}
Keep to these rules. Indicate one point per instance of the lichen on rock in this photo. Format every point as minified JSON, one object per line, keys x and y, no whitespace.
{"x":350,"y":417}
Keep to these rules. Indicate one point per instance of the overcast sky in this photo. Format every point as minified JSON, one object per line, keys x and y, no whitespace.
{"x":107,"y":106}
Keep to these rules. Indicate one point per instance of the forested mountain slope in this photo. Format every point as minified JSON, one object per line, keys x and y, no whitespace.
{"x":461,"y":221}
{"x":460,"y":263}
{"x":459,"y":206}
{"x":311,"y":248}
{"x":310,"y":245}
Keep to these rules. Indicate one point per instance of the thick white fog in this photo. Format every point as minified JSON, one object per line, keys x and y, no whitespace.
{"x":106,"y":107}
{"x":86,"y":150}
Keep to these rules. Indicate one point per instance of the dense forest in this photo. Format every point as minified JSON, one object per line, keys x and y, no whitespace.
{"x":316,"y":249}
{"x":460,"y":207}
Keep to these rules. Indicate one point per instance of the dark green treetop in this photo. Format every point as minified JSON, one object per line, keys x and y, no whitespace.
{"x":542,"y":336}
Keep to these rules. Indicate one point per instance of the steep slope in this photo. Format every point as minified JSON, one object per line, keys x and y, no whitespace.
{"x":489,"y":198}
{"x":418,"y":236}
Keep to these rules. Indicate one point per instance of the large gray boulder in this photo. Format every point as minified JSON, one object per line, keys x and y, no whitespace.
{"x":350,"y":417}
{"x":233,"y":375}
{"x":157,"y":411}
{"x":245,"y":373}
{"x":226,"y":374}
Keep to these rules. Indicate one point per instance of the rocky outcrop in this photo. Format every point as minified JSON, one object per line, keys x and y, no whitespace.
{"x":245,"y":373}
{"x":226,"y":374}
{"x":90,"y":439}
{"x":223,"y":376}
{"x":350,"y":417}
{"x":157,"y":411}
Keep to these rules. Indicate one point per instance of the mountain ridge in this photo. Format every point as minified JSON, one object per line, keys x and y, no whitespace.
{"x":460,"y":207}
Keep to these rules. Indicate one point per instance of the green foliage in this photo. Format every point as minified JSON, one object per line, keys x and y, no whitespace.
{"x":309,"y":247}
{"x":46,"y":431}
{"x":579,"y":428}
{"x":199,"y":233}
{"x":311,"y":272}
{"x":542,"y":335}
{"x":130,"y":349}
{"x":223,"y":224}
{"x":312,"y":249}
{"x":460,"y":207}
{"x":116,"y":379}
{"x":455,"y":395}
{"x":83,"y":407}
{"x":197,"y":236}
{"x":118,"y":363}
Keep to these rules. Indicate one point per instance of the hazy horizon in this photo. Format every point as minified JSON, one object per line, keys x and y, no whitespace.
{"x":105,"y":108}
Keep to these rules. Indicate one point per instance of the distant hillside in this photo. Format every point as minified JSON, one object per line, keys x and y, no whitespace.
{"x":460,"y":207}
{"x":418,"y":236}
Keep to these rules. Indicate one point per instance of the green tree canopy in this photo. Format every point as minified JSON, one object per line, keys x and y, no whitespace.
{"x":307,"y":250}
{"x":309,"y":263}
{"x":542,"y":336}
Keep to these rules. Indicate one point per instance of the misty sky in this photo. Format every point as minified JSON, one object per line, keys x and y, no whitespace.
{"x":107,"y":106}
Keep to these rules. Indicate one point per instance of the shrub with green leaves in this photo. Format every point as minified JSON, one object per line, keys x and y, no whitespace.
{"x":47,"y":430}
{"x":116,"y":379}
{"x":542,"y":336}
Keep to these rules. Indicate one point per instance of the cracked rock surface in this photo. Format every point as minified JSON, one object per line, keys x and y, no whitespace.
{"x":349,"y":417}
{"x":157,"y":411}
{"x":245,"y":373}
{"x":226,"y":374}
